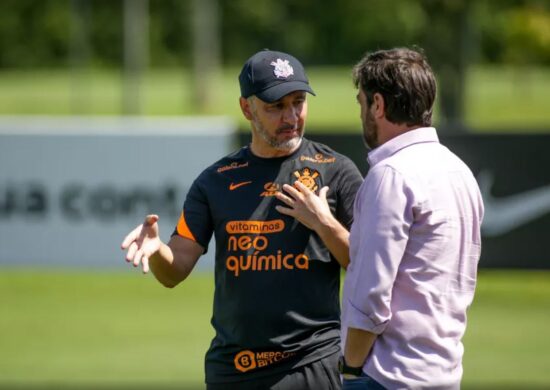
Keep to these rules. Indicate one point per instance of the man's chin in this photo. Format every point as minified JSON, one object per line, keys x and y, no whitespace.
{"x":289,"y":143}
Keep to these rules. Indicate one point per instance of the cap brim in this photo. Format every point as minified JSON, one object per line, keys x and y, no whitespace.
{"x":276,"y":92}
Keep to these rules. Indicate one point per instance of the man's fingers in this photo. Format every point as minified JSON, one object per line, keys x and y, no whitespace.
{"x":136,"y":253}
{"x":134,"y":234}
{"x":285,"y":210}
{"x":151,"y":219}
{"x":292,"y":191}
{"x":137,"y":257}
{"x":323,"y":193}
{"x":303,"y":189}
{"x":285,"y":199}
{"x":145,"y":264}
{"x":131,"y":251}
{"x":131,"y":237}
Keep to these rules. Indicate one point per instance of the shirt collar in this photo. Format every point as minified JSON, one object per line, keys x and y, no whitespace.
{"x":411,"y":137}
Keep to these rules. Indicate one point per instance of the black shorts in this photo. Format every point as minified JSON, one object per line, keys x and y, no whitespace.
{"x":320,"y":375}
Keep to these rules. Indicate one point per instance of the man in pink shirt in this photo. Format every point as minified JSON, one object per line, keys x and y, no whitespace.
{"x":415,"y":240}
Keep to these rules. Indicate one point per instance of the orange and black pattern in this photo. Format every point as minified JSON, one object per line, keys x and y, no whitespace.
{"x":276,"y":301}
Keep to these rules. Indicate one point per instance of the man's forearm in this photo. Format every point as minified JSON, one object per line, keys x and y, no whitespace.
{"x":162,"y":266}
{"x":358,"y":345}
{"x":336,"y":239}
{"x":167,"y":269}
{"x":174,"y":261}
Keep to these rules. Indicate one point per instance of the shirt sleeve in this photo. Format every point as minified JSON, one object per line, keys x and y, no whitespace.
{"x":195,"y":222}
{"x":379,"y":237}
{"x":350,"y":180}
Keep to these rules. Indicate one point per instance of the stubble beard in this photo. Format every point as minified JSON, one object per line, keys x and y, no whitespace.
{"x":370,"y":131}
{"x":284,"y":145}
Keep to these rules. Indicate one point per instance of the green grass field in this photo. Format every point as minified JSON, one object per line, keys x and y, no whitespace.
{"x":75,"y":328}
{"x":497,"y":98}
{"x":87,"y":329}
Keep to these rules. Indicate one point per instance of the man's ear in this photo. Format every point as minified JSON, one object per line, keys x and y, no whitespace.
{"x":378,"y":105}
{"x":245,"y":108}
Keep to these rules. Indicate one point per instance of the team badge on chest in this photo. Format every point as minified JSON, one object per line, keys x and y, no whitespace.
{"x":308,"y":177}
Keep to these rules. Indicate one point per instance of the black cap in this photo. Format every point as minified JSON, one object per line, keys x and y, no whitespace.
{"x":270,"y":75}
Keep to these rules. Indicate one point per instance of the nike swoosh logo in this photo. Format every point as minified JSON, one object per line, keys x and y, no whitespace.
{"x":504,"y":214}
{"x":234,"y":186}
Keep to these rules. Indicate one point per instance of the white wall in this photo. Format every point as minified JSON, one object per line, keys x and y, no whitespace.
{"x":70,"y":189}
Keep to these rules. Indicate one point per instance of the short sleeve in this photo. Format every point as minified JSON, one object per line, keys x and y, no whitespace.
{"x":195,"y":222}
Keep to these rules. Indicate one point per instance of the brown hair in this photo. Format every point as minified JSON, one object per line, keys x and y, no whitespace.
{"x":405,"y":80}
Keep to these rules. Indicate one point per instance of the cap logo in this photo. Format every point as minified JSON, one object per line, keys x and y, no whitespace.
{"x":282,"y":68}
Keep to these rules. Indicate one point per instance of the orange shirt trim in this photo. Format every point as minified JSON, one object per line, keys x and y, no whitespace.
{"x":183,"y":229}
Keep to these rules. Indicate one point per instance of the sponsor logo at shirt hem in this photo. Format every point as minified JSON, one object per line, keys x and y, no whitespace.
{"x":247,"y":360}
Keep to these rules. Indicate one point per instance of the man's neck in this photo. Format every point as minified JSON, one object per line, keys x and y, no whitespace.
{"x":395,"y":130}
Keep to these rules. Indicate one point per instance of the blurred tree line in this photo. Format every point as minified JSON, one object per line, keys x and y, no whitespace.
{"x":203,"y":34}
{"x":40,"y":33}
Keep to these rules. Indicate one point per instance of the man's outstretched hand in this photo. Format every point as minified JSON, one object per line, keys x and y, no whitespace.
{"x":142,"y":242}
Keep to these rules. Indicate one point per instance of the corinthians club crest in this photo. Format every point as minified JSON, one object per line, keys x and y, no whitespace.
{"x":308,"y":178}
{"x":282,"y":68}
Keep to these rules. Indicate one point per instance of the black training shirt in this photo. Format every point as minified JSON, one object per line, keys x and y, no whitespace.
{"x":276,"y":300}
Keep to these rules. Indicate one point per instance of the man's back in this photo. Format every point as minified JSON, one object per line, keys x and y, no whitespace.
{"x":435,"y":198}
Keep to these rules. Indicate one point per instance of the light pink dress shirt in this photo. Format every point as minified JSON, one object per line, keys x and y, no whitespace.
{"x":414,"y":247}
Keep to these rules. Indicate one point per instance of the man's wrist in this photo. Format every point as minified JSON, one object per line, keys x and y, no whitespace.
{"x":328,"y":225}
{"x":348,"y":372}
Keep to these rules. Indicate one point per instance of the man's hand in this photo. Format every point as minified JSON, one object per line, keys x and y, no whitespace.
{"x":143,"y":242}
{"x":311,"y":210}
{"x":314,"y":212}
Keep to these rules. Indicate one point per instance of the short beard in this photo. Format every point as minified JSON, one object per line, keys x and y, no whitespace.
{"x":285,"y":145}
{"x":370,"y":131}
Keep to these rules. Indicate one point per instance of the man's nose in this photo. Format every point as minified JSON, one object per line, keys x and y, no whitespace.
{"x":291,"y":114}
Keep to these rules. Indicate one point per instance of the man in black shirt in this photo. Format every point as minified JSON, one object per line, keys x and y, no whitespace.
{"x":276,"y":302}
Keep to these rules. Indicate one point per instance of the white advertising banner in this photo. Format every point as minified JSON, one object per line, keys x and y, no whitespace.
{"x":71,"y":188}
